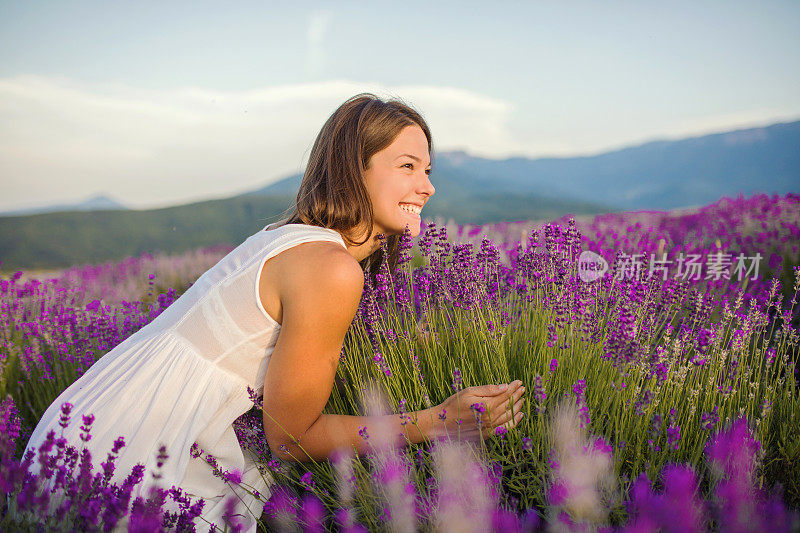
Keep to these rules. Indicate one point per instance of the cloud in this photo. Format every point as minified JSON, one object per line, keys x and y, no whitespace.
{"x":460,"y":118}
{"x":64,"y":140}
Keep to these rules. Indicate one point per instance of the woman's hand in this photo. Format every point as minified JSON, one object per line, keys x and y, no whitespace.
{"x":495,"y":403}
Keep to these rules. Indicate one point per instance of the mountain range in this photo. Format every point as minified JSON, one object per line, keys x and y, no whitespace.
{"x":657,"y":175}
{"x":100,"y":202}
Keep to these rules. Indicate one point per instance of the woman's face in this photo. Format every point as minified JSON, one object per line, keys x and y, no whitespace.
{"x":397,"y":182}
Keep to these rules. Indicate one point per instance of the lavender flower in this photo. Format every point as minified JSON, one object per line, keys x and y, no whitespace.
{"x":10,"y":421}
{"x":643,"y":402}
{"x":673,"y":431}
{"x":86,"y":428}
{"x":383,"y":276}
{"x":677,"y":509}
{"x":231,"y":515}
{"x":465,"y":496}
{"x":307,"y":481}
{"x":456,"y":380}
{"x":579,"y":389}
{"x":282,"y":507}
{"x":66,"y":409}
{"x":709,"y":420}
{"x":403,"y":411}
{"x":400,"y":492}
{"x":581,"y":469}
{"x":478,"y":409}
{"x":740,"y":504}
{"x":655,"y":431}
{"x":539,"y":393}
{"x":83,"y":500}
{"x":312,"y":514}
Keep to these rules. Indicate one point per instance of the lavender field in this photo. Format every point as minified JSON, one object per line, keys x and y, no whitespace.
{"x":663,"y":384}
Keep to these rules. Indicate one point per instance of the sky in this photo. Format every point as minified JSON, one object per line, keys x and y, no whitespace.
{"x":163,"y":103}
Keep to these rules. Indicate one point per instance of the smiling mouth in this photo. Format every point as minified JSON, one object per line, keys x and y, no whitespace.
{"x":411,"y":208}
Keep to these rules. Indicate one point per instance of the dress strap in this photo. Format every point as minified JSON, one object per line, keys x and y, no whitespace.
{"x":303,"y":232}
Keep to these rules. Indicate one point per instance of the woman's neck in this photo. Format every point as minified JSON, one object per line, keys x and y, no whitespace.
{"x":362,"y":251}
{"x":358,"y":251}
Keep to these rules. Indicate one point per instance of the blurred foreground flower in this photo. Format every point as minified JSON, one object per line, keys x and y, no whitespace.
{"x":582,"y":474}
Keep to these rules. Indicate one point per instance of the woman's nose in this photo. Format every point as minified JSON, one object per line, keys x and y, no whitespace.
{"x":426,"y":186}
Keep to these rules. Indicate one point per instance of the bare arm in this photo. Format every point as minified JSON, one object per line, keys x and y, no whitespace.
{"x":332,"y":432}
{"x":320,"y":288}
{"x":504,"y":408}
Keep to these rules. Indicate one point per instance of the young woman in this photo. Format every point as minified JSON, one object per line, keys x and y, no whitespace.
{"x":272,"y":315}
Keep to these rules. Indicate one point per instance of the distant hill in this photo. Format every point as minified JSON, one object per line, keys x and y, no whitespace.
{"x":658,"y":175}
{"x":55,"y":240}
{"x":100,"y":202}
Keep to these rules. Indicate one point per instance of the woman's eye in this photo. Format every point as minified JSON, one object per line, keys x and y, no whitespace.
{"x":411,"y":165}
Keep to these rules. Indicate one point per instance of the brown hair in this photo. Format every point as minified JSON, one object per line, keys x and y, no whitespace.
{"x":332,"y":193}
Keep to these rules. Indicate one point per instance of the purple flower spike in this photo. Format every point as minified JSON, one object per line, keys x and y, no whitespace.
{"x":66,"y":409}
{"x":10,"y":420}
{"x":403,"y":411}
{"x":162,"y":456}
{"x":233,"y":476}
{"x":456,"y":379}
{"x":281,"y":504}
{"x":677,"y":509}
{"x":557,"y":493}
{"x":504,"y":520}
{"x":733,"y":452}
{"x":478,"y":407}
{"x":580,"y":396}
{"x":710,"y":420}
{"x":539,"y":393}
{"x":118,"y":445}
{"x":313,"y":514}
{"x":579,"y":388}
{"x":86,"y":428}
{"x":741,"y":505}
{"x":673,"y":431}
{"x":231,"y":515}
{"x":307,"y":481}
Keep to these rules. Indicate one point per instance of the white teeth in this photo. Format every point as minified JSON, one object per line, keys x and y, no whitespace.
{"x":411,"y":208}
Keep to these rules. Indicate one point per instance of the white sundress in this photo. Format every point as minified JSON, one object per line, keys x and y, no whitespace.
{"x":183,"y":379}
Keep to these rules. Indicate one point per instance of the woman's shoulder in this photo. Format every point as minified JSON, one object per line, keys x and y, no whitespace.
{"x":316,"y":264}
